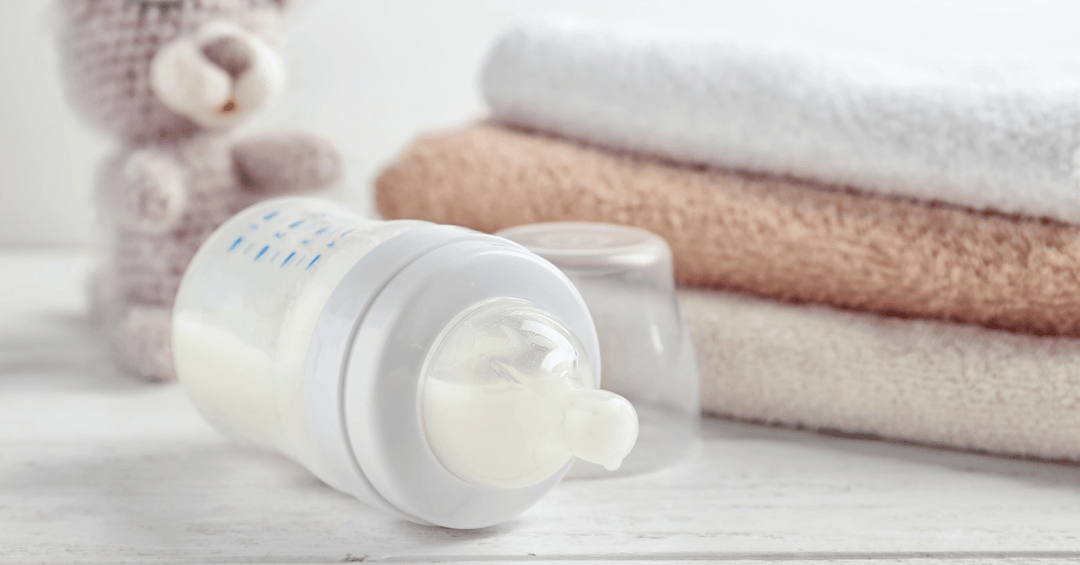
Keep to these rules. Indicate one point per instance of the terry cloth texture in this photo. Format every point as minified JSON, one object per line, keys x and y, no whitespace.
{"x":1003,"y":143}
{"x":769,"y":237}
{"x":918,"y":380}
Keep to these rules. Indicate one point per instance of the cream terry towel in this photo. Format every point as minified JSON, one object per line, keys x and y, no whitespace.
{"x":918,"y":380}
{"x":930,"y":132}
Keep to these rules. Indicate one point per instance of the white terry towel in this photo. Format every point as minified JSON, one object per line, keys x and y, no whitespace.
{"x":985,"y":134}
{"x":917,"y":380}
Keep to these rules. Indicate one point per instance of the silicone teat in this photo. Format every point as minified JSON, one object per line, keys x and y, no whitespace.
{"x":601,"y":427}
{"x":509,"y":398}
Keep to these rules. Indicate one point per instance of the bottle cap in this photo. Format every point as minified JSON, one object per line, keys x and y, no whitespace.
{"x":626,"y":278}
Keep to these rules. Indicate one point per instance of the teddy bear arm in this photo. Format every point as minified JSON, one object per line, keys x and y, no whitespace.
{"x":145,"y":191}
{"x":286,"y":163}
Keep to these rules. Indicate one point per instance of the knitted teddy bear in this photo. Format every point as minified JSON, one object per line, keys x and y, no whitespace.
{"x":171,"y":79}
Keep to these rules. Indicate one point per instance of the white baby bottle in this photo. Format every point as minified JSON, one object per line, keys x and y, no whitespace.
{"x":444,"y":375}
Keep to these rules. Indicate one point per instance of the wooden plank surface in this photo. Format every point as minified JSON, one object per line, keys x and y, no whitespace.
{"x":94,"y":468}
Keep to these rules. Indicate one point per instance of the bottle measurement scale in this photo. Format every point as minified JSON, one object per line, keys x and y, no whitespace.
{"x":447,"y":376}
{"x":302,"y":242}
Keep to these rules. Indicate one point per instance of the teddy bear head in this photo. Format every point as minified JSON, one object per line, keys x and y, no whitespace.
{"x":152,"y":71}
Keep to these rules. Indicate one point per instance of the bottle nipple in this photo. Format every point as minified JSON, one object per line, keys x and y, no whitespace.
{"x":601,"y":427}
{"x":509,"y":398}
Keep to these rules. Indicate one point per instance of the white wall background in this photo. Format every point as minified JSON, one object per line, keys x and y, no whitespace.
{"x":372,"y":74}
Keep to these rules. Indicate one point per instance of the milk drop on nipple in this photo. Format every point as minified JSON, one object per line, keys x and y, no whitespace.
{"x":508,"y":398}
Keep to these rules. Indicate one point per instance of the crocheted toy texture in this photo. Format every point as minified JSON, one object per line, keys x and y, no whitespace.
{"x":170,"y":79}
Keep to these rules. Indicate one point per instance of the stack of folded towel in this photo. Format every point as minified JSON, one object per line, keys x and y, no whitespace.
{"x":868,"y":251}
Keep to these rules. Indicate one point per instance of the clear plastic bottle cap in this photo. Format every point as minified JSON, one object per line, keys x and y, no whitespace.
{"x":596,"y":249}
{"x":626,"y":277}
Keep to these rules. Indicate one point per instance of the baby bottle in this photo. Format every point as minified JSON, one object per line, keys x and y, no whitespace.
{"x":446,"y":376}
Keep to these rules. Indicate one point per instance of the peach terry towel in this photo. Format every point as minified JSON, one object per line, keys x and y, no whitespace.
{"x":918,"y":380}
{"x":770,"y":237}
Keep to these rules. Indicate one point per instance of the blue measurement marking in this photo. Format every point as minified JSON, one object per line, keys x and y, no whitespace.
{"x":331,"y":244}
{"x":279,"y":235}
{"x":286,"y":261}
{"x":270,"y":216}
{"x":313,"y":262}
{"x":235,"y":243}
{"x":261,"y":252}
{"x":296,"y":223}
{"x":305,"y":242}
{"x":253,"y":226}
{"x":321,"y":231}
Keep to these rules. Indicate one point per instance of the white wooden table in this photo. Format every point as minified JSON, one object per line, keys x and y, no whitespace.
{"x":94,"y":468}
